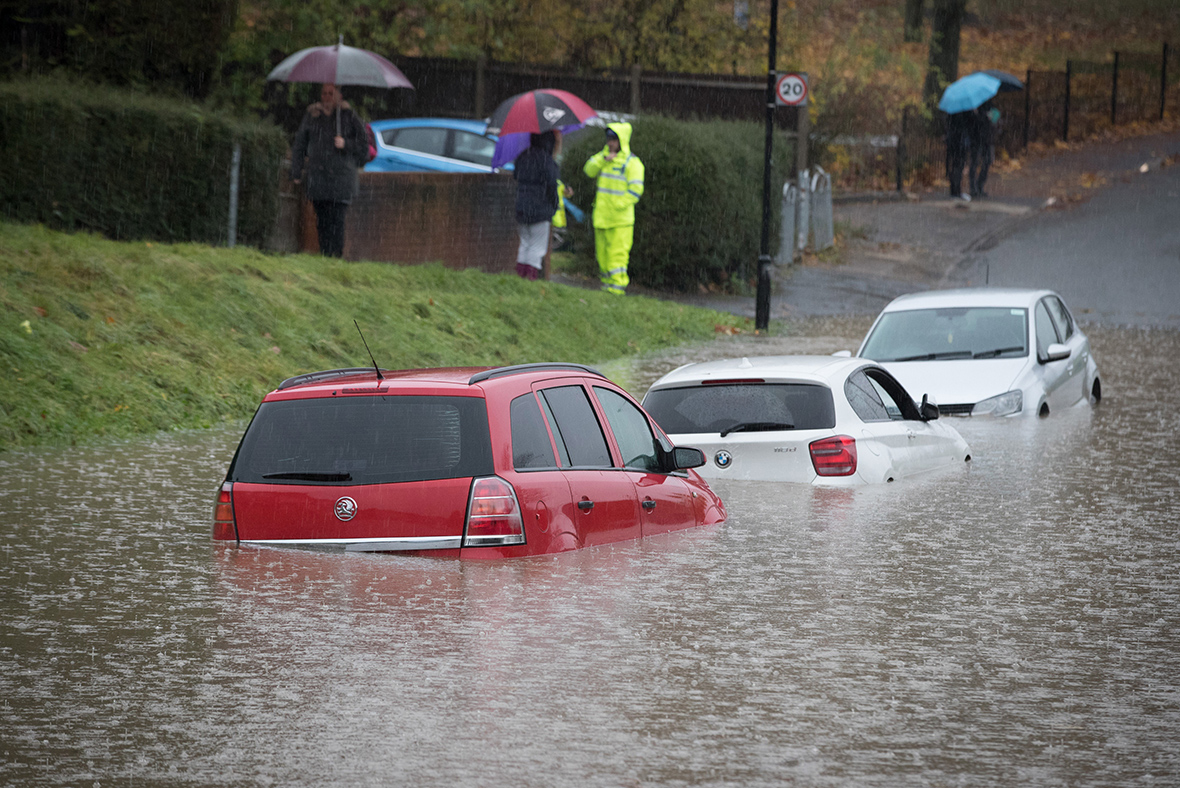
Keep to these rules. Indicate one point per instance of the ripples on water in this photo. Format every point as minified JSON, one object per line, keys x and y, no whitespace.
{"x":1013,"y":623}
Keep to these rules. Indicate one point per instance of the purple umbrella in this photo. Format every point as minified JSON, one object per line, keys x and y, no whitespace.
{"x":340,"y":65}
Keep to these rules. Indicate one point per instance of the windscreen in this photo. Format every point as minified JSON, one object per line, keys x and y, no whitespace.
{"x":944,"y":334}
{"x":365,"y":440}
{"x":745,"y":407}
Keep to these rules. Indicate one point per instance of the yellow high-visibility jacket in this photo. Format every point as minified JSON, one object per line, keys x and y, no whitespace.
{"x":620,"y":182}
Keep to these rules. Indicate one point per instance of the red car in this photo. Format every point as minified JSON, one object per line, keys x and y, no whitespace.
{"x":471,"y":462}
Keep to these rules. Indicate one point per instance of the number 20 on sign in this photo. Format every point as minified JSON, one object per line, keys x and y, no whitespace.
{"x":791,"y":90}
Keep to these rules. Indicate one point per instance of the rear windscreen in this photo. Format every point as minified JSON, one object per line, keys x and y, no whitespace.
{"x":799,"y":406}
{"x":365,"y":440}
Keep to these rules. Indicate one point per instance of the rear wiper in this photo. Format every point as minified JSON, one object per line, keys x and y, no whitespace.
{"x":305,"y":476}
{"x":757,"y":426}
{"x":937,"y":356}
{"x":998,"y":351}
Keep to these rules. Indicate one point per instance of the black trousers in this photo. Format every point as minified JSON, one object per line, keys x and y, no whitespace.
{"x":981,"y":159}
{"x":329,"y":226}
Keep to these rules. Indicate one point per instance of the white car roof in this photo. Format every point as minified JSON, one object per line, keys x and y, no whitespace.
{"x":779,"y":369}
{"x":968,"y":296}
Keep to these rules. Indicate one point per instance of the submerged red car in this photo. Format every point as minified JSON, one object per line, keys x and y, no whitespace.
{"x":469,"y":462}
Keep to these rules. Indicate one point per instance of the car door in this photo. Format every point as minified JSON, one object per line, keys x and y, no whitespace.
{"x":885,"y":431}
{"x":1074,"y":387}
{"x":665,"y":498}
{"x":928,"y":445}
{"x":605,"y":503}
{"x":1055,"y":375}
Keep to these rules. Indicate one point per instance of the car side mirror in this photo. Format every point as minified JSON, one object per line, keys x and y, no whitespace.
{"x":683,"y":458}
{"x":843,"y":354}
{"x":1056,"y":352}
{"x":928,"y":410}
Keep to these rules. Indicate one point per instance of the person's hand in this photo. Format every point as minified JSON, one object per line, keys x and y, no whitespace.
{"x":610,"y":155}
{"x":339,"y":142}
{"x":569,"y":191}
{"x":297,"y":181}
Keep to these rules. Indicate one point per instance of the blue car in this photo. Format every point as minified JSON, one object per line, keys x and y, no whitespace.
{"x":432,"y":145}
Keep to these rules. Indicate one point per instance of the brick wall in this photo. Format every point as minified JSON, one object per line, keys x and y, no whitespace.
{"x":459,"y":220}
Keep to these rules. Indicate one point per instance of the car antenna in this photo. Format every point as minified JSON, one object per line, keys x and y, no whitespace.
{"x":376,"y":369}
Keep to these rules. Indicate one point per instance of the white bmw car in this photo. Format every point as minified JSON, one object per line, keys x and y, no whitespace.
{"x":810,"y":419}
{"x":986,"y":351}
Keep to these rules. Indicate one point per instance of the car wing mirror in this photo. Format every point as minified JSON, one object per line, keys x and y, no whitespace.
{"x":683,"y":458}
{"x":843,"y":354}
{"x":1056,"y":352}
{"x":928,"y":409}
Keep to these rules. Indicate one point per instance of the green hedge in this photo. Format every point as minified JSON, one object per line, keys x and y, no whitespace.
{"x":132,"y":166}
{"x":700,"y":219}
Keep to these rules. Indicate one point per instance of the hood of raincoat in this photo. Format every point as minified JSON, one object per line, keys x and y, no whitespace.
{"x":623,"y":131}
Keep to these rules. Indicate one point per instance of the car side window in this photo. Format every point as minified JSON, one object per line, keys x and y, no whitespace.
{"x":1046,"y":331}
{"x":474,"y":148}
{"x":864,"y":399}
{"x":1061,"y":317}
{"x":632,"y":432}
{"x":577,"y":431}
{"x":896,"y":399}
{"x":422,"y":140}
{"x":531,"y":447}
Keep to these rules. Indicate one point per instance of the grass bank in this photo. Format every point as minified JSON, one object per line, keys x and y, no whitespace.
{"x":106,"y":339}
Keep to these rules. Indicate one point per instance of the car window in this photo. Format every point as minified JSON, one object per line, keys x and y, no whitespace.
{"x":531,"y":447}
{"x":365,"y":440}
{"x":898,"y":402}
{"x":474,"y":148}
{"x":1061,"y":317}
{"x":578,"y":434}
{"x":422,"y":140}
{"x":1046,"y":331}
{"x":948,"y":333}
{"x":632,"y":432}
{"x":715,"y":408}
{"x":864,"y":398}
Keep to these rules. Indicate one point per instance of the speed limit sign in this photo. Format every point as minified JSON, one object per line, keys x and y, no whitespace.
{"x":791,"y":90}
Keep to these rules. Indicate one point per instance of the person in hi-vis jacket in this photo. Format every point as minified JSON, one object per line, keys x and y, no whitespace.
{"x":619,"y":174}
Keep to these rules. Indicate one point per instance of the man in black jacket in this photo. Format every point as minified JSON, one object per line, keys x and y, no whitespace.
{"x":535,"y":173}
{"x":332,"y":139}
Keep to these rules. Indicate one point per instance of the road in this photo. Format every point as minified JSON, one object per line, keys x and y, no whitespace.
{"x":1114,"y":258}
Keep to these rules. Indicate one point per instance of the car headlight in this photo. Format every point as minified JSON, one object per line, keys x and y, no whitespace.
{"x":1002,"y":405}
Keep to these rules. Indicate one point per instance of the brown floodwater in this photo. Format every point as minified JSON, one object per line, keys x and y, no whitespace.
{"x":1016,"y":622}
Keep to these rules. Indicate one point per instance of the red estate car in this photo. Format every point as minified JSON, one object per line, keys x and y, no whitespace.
{"x":471,"y":462}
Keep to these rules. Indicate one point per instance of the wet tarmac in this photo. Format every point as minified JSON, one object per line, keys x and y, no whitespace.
{"x":1015,"y":622}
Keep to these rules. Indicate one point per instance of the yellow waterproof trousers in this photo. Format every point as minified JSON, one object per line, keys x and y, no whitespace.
{"x":612,"y":247}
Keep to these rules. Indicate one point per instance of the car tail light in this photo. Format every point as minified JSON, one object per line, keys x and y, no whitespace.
{"x":224,"y":527}
{"x":834,"y":456}
{"x":493,"y":515}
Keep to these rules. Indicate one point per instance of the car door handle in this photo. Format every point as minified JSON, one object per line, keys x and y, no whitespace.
{"x":649,"y":504}
{"x":585,"y":506}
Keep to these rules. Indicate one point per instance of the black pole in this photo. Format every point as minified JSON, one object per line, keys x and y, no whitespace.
{"x":762,"y":300}
{"x":1027,"y":103}
{"x":1114,"y":91}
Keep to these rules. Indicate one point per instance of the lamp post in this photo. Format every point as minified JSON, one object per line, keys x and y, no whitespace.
{"x":762,"y":298}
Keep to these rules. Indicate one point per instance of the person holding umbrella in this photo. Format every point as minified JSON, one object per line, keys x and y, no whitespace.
{"x":332,"y":140}
{"x":537,"y":199}
{"x":619,"y":174}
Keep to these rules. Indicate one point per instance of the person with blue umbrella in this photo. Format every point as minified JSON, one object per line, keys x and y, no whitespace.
{"x":960,"y":100}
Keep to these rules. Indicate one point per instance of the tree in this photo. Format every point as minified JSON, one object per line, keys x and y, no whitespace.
{"x":915,"y":11}
{"x":943,"y":66}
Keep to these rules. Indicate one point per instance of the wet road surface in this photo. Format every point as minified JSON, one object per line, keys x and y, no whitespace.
{"x":1014,"y":622}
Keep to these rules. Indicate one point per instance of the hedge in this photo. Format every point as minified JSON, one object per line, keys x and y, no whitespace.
{"x":132,"y":166}
{"x":700,"y":219}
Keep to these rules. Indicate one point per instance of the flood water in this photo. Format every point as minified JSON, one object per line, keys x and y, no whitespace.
{"x":1013,"y":623}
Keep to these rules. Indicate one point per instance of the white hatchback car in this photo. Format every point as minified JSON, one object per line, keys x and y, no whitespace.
{"x":810,"y":419}
{"x":977,"y":351}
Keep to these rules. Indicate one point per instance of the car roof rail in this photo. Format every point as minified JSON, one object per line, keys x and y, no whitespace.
{"x":315,"y":377}
{"x":516,"y":369}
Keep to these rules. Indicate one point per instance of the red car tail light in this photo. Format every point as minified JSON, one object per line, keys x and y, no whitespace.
{"x":224,"y":527}
{"x":834,"y":456}
{"x":493,"y":515}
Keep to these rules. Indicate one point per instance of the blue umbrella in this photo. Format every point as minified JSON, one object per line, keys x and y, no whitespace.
{"x":968,"y":93}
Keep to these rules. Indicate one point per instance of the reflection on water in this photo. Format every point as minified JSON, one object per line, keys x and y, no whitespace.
{"x":1013,"y":624}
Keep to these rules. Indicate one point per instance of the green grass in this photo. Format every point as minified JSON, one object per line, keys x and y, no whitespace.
{"x":106,"y":339}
